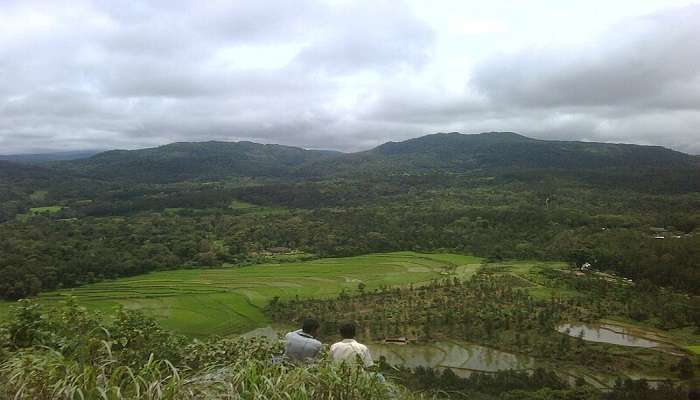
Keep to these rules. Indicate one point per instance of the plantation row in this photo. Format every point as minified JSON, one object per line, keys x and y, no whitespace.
{"x":493,"y":308}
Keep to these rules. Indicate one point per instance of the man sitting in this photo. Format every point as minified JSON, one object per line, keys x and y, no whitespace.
{"x":302,"y":344}
{"x":348,"y":349}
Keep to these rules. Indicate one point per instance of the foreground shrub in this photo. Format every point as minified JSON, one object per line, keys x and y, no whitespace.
{"x":73,"y":354}
{"x":48,"y":375}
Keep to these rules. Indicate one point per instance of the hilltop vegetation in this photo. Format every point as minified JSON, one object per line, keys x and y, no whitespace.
{"x":203,"y":161}
{"x":501,"y":151}
{"x":445,"y":152}
{"x":131,"y":357}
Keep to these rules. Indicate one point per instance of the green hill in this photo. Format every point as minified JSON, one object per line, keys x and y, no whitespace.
{"x":17,"y":181}
{"x":195,"y":161}
{"x":455,"y":152}
{"x":493,"y":153}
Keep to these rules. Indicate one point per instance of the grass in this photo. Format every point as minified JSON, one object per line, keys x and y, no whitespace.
{"x":41,"y":210}
{"x":38,"y":211}
{"x":240,"y":369}
{"x":202,"y":302}
{"x":694,"y":349}
{"x":241,"y":205}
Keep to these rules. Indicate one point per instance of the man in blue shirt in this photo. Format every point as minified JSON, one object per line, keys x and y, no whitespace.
{"x":302,"y":344}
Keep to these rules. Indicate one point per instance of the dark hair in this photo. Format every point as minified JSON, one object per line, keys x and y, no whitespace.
{"x":694,"y":394}
{"x":347,"y":330}
{"x":309,"y":325}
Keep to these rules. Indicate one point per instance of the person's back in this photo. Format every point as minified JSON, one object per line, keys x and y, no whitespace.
{"x":349,"y":349}
{"x":302,"y":345}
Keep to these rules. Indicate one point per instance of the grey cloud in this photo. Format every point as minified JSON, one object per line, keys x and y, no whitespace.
{"x":116,"y":74}
{"x":113,"y":74}
{"x":648,"y":62}
{"x":371,"y":40}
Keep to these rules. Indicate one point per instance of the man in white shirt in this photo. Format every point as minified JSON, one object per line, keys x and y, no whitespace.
{"x":302,"y":345}
{"x":348,"y":349}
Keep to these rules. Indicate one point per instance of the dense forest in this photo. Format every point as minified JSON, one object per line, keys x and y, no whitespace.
{"x":78,"y":235}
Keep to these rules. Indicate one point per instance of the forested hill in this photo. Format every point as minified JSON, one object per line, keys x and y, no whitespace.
{"x":503,"y":149}
{"x":455,"y":152}
{"x":195,"y":161}
{"x":16,"y":178}
{"x":22,"y":185}
{"x":442,"y":152}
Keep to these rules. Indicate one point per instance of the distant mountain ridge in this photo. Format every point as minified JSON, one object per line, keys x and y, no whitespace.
{"x":47,"y":157}
{"x":512,"y":149}
{"x":195,"y":160}
{"x":18,"y":180}
{"x":455,"y":152}
{"x":440,"y":152}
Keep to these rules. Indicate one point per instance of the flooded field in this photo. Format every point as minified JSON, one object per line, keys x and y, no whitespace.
{"x":462,"y":358}
{"x":607,"y":333}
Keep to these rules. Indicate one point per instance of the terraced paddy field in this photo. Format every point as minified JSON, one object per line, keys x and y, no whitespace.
{"x":201,"y":302}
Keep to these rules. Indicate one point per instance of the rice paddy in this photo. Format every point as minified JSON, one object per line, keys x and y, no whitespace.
{"x":202,"y":302}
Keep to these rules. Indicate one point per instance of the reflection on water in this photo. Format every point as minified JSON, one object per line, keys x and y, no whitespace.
{"x":464,"y":359}
{"x":606,"y":333}
{"x":461,"y":358}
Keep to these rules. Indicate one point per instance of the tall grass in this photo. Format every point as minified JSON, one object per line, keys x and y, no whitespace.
{"x":55,"y":356}
{"x":46,"y":374}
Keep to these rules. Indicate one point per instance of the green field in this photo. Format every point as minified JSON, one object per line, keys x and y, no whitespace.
{"x":202,"y":302}
{"x":694,"y":349}
{"x":38,"y":211}
{"x":241,"y":205}
{"x":43,"y":210}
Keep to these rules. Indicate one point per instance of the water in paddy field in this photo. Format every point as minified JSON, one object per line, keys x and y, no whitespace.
{"x":463,"y":359}
{"x":606,"y":333}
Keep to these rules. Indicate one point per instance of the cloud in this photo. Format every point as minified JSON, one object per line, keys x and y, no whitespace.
{"x":646,"y":62}
{"x":338,"y":74}
{"x":639,"y":82}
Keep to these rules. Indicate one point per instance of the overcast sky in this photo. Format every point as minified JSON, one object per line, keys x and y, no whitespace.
{"x":346,"y":75}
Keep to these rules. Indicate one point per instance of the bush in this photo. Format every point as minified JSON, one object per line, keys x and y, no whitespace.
{"x":70,"y":353}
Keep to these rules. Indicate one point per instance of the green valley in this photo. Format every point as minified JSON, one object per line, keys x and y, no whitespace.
{"x":514,"y":268}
